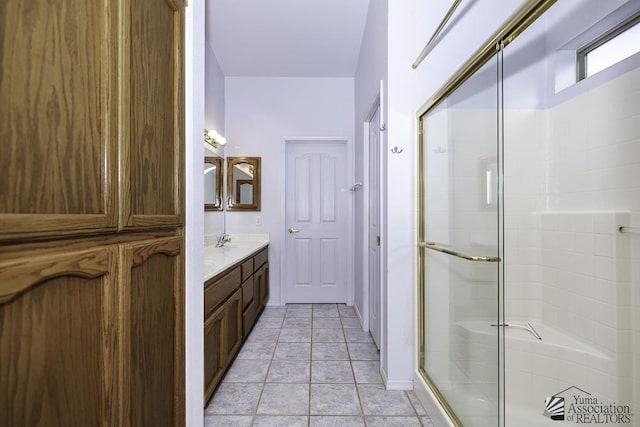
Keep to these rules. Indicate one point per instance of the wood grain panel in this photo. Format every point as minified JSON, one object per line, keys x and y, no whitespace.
{"x":153,"y":342}
{"x":220,"y":288}
{"x":247,"y":268}
{"x":222,"y":339}
{"x":233,"y":329}
{"x":247,"y":292}
{"x":58,"y":127}
{"x":58,"y":343}
{"x":260,"y":258}
{"x":264,"y":285}
{"x":214,"y":354}
{"x":152,"y":152}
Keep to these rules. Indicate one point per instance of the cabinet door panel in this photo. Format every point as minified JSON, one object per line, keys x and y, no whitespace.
{"x":233,"y":324}
{"x":153,"y":343}
{"x":58,"y":126}
{"x":261,"y":280}
{"x":58,"y":342}
{"x":214,"y":354}
{"x":153,"y":148}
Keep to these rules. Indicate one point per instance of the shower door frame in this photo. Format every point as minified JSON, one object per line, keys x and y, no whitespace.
{"x":520,"y":20}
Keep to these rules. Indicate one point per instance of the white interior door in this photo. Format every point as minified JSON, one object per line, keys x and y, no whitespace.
{"x":316,"y":217}
{"x":374,"y":227}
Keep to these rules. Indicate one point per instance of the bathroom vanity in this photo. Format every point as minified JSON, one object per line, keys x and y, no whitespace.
{"x":236,"y":290}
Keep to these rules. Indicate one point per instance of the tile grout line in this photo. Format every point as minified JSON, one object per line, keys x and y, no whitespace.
{"x":350,"y":360}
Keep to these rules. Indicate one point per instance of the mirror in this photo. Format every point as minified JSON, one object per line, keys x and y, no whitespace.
{"x":243,"y":183}
{"x":212,"y":183}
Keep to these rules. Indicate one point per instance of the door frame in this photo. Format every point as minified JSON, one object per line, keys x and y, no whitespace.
{"x":286,"y":141}
{"x":377,"y":104}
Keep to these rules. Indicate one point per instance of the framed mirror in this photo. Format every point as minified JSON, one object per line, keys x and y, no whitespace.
{"x":243,"y":183}
{"x":212,"y":183}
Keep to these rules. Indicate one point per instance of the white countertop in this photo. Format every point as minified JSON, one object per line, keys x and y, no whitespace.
{"x":241,"y":246}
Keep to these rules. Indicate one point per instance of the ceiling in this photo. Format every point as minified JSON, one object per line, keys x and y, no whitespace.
{"x":286,"y":38}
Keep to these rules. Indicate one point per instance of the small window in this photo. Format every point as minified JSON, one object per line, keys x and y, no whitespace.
{"x":612,"y":47}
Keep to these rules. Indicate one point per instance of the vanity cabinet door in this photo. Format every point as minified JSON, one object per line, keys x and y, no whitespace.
{"x":222,"y":339}
{"x":153,"y":331}
{"x":234,"y":325}
{"x":214,"y":353}
{"x":261,"y":282}
{"x":58,"y":117}
{"x":58,"y":339}
{"x":153,"y":120}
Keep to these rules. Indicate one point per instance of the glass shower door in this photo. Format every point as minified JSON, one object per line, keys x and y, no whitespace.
{"x":459,"y":250}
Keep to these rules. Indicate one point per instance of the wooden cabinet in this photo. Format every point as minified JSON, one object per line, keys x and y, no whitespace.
{"x":232,"y":302}
{"x":222,"y":339}
{"x":92,"y":116}
{"x":153,"y":331}
{"x":59,"y":117}
{"x":261,"y":283}
{"x":151,"y":147}
{"x":91,"y":213}
{"x":59,"y":343}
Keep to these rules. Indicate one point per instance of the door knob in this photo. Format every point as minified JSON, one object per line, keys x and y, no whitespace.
{"x":293,"y":230}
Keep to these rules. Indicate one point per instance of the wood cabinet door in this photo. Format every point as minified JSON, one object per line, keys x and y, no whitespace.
{"x":261,"y":282}
{"x":153,"y":332}
{"x":215,"y":360}
{"x":152,"y":142}
{"x":222,"y":339}
{"x":58,"y":340}
{"x":58,"y":115}
{"x":233,"y":329}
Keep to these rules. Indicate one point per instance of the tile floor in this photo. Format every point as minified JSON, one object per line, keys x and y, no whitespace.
{"x":310,"y":365}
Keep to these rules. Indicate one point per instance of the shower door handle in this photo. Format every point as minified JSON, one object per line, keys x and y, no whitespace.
{"x":449,"y":251}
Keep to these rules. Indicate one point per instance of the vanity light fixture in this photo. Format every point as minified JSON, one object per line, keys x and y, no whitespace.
{"x":213,"y":138}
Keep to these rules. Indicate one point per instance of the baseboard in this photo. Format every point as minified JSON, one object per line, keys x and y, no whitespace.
{"x":395,"y":385}
{"x":358,"y":315}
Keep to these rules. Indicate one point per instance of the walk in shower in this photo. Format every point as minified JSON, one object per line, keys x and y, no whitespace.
{"x":529,"y":251}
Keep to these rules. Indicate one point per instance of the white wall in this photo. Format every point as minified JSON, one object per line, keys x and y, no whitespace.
{"x":214,"y":93}
{"x":194,"y":228}
{"x":260,"y":112}
{"x":213,"y":119}
{"x":372,"y":68}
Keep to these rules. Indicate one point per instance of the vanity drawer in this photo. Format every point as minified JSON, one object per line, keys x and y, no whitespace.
{"x":247,"y":269}
{"x":260,"y":258}
{"x":220,"y":289}
{"x":247,"y":292}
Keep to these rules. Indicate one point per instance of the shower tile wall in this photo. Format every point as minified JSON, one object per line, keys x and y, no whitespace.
{"x":572,"y":176}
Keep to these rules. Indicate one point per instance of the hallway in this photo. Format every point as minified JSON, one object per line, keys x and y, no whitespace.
{"x":310,"y":365}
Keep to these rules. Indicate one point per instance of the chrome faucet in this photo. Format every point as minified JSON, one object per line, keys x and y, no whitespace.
{"x":222,"y":239}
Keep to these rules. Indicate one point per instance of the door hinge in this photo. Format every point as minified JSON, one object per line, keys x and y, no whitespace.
{"x":378,"y":240}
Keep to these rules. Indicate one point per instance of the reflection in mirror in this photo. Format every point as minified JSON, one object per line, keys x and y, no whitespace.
{"x":212,"y":183}
{"x":243,"y":183}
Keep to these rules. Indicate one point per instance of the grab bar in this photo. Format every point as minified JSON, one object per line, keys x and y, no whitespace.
{"x":436,"y":247}
{"x":444,"y":21}
{"x":632,"y":230}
